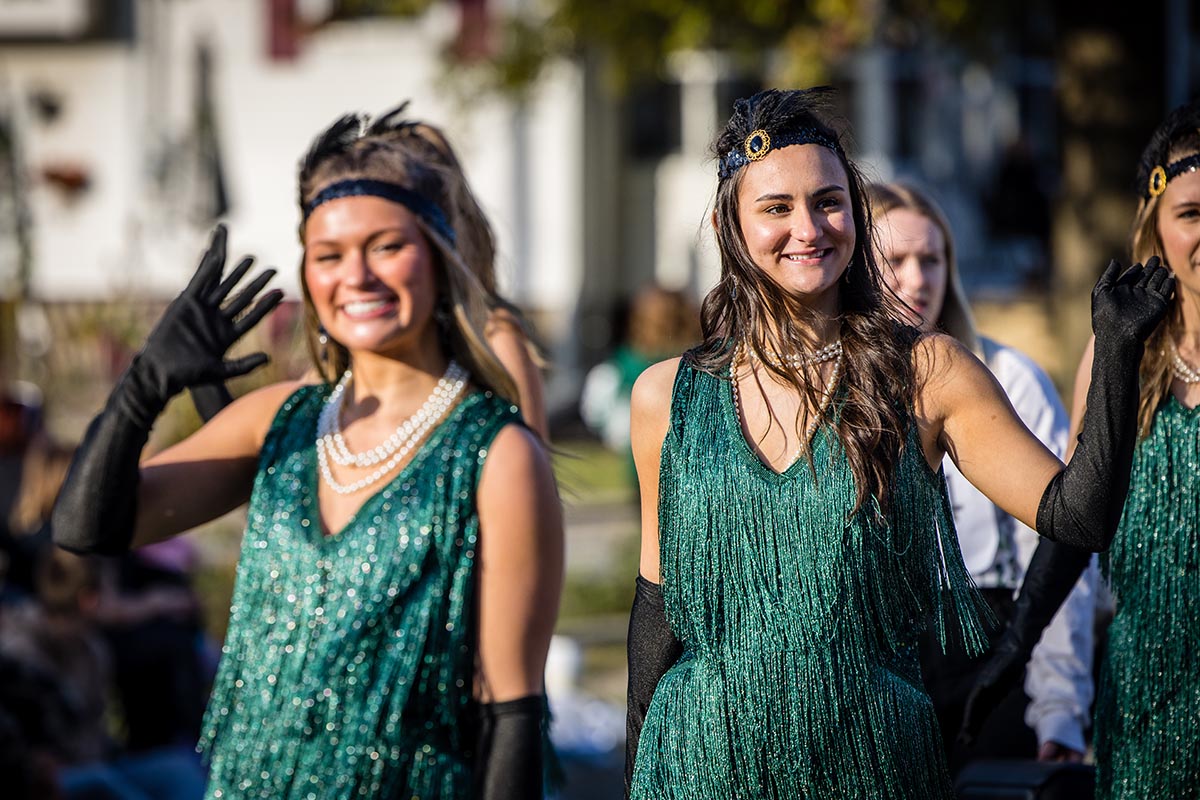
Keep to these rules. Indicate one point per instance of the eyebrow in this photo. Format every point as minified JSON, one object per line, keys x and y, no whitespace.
{"x":833,"y":187}
{"x":397,"y":229}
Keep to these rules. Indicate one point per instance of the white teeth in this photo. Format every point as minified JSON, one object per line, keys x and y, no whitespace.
{"x":364,"y":306}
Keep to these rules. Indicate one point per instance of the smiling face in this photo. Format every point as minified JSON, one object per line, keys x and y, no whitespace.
{"x":913,"y":249}
{"x":795,"y":216}
{"x":1179,"y":230}
{"x":370,"y":272}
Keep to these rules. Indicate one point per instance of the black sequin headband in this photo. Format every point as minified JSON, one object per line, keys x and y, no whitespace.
{"x":421,"y":206}
{"x":1160,"y":176}
{"x":759,"y":143}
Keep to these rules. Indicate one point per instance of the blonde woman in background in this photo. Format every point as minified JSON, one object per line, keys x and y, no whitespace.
{"x":917,"y":253}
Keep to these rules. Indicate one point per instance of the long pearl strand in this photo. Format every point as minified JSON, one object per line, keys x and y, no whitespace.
{"x":440,"y":401}
{"x":822,"y":407}
{"x":1183,"y":370}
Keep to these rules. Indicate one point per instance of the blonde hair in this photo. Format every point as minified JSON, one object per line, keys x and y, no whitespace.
{"x":955,"y":317}
{"x":417,"y":156}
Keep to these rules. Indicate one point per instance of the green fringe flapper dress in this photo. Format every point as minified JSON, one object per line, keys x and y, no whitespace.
{"x":799,"y":676}
{"x":1148,"y":704}
{"x":348,"y":664}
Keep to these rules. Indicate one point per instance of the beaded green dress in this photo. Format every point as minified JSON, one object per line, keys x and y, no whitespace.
{"x":799,"y":676}
{"x":1148,"y":703}
{"x":348,"y":664}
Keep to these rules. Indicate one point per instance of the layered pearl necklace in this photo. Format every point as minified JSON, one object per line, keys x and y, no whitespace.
{"x":831,"y":352}
{"x":1183,"y":370}
{"x":798,"y":360}
{"x":331,"y":444}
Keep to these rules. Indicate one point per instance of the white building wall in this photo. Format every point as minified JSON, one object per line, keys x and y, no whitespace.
{"x":124,"y":105}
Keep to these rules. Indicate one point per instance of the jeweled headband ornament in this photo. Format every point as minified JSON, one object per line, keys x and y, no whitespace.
{"x":759,"y":143}
{"x":424,"y":208}
{"x":1160,"y":176}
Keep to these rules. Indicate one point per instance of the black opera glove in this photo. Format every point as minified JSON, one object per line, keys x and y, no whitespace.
{"x":1052,"y":573}
{"x":509,"y":749}
{"x":97,"y":506}
{"x":210,"y":398}
{"x":187,"y":347}
{"x":652,"y":650}
{"x":1082,"y":505}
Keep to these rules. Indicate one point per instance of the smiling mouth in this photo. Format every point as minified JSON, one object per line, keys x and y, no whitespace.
{"x":363,"y":309}
{"x":801,"y":258}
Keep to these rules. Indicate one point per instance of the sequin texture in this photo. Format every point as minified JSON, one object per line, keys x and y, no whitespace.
{"x":799,"y":676}
{"x":347,"y":667}
{"x":1148,"y":703}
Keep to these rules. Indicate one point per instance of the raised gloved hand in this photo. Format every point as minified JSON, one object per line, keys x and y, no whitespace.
{"x":96,"y":509}
{"x":1082,"y":505}
{"x":1127,"y":306}
{"x":1053,"y":572}
{"x":187,"y":347}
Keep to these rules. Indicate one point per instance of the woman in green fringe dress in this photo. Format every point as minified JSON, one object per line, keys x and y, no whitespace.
{"x":796,"y":534}
{"x":401,"y":565}
{"x":1148,"y":703}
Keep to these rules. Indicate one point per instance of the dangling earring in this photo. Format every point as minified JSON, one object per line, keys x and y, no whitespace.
{"x":323,"y":342}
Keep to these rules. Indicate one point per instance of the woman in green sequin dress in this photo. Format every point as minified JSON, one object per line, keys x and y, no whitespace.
{"x":401,"y":565}
{"x":1148,"y":702}
{"x":796,"y":533}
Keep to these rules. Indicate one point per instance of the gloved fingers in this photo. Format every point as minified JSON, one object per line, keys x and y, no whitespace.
{"x":255,"y":314}
{"x":241,"y":366}
{"x":246,"y":296}
{"x":212,"y":263}
{"x":1131,"y":276}
{"x":1167,"y":288}
{"x":1111,"y":273}
{"x":231,"y":280}
{"x":1157,"y":275}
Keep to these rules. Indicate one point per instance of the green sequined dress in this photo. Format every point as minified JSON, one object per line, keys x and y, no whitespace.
{"x":347,"y":667}
{"x":1148,"y":703}
{"x":799,"y":676}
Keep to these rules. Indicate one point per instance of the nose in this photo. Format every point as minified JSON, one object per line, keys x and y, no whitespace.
{"x":910,"y":276}
{"x":356,"y":271}
{"x":804,"y":225}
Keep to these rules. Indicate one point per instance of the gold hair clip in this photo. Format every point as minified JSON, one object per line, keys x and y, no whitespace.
{"x":1158,"y":181}
{"x":758,"y":144}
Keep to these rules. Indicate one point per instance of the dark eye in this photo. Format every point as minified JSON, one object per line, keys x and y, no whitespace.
{"x":326,"y":258}
{"x":778,"y":208}
{"x":829,"y":203}
{"x":389,"y":246}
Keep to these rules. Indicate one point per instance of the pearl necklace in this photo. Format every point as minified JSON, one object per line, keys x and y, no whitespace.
{"x":1183,"y":370}
{"x":330,"y":421}
{"x":822,"y":406}
{"x":798,"y":360}
{"x":439,"y":402}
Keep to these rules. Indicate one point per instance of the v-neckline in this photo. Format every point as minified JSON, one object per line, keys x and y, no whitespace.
{"x":316,"y":519}
{"x":734,"y":420}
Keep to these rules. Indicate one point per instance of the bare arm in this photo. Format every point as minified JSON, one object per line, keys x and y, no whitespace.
{"x":650,"y":416}
{"x":208,"y":474}
{"x":964,"y":412}
{"x":520,"y":565}
{"x":508,"y":341}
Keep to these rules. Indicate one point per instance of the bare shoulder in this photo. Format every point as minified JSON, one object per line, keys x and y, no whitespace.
{"x":934,"y":352}
{"x":652,"y":389}
{"x":514,"y":454}
{"x":516,"y":481}
{"x":256,"y":409}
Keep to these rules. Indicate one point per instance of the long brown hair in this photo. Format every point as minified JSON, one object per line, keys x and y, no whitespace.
{"x":1177,"y":137}
{"x":955,"y":317}
{"x":417,"y":156}
{"x":747,"y":305}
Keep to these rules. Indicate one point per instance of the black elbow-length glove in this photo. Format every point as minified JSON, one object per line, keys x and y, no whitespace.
{"x":96,"y":507}
{"x":1053,"y":572}
{"x":1082,"y":505}
{"x":509,"y":749}
{"x":652,"y":649}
